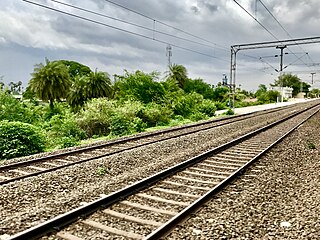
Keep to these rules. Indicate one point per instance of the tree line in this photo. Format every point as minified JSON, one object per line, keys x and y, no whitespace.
{"x":79,"y":104}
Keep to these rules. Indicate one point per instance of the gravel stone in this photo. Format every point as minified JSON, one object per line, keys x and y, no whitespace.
{"x":282,"y":202}
{"x":30,"y":201}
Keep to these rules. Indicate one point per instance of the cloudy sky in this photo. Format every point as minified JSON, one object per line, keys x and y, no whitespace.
{"x":29,"y":33}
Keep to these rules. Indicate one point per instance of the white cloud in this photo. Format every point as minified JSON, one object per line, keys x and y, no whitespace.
{"x":33,"y":33}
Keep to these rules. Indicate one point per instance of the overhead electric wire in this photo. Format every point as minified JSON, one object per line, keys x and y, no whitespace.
{"x":295,"y":61}
{"x":165,"y":24}
{"x":132,"y":24}
{"x":288,"y":34}
{"x":266,"y":28}
{"x":120,"y":29}
{"x":150,"y":29}
{"x":256,"y":20}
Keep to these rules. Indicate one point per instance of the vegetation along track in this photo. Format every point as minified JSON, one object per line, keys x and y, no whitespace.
{"x":33,"y":167}
{"x":152,"y":207}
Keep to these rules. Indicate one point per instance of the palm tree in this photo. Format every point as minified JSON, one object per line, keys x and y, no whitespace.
{"x":178,"y":73}
{"x":77,"y":95}
{"x":50,"y":82}
{"x":99,"y":85}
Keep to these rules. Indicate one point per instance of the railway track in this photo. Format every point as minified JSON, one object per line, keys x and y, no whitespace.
{"x":20,"y":170}
{"x":150,"y":208}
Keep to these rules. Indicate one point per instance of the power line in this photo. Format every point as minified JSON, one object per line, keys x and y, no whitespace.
{"x":255,"y":19}
{"x":175,"y":28}
{"x":288,"y":34}
{"x":264,"y":26}
{"x":120,"y":29}
{"x":165,"y":24}
{"x":130,"y":23}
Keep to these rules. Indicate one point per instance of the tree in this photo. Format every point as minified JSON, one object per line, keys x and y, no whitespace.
{"x":75,"y":68}
{"x":178,"y":73}
{"x":139,"y":86}
{"x":261,"y":90}
{"x":199,"y":86}
{"x":99,"y":85}
{"x":293,"y":81}
{"x":78,"y":96}
{"x":220,"y":93}
{"x":50,"y":82}
{"x":268,"y":96}
{"x":15,"y":88}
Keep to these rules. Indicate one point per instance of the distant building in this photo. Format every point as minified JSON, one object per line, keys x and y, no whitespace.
{"x":285,"y":92}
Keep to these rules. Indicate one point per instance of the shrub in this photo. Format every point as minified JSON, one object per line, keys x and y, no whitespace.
{"x":229,"y":112}
{"x":102,"y":117}
{"x":13,"y":110}
{"x":120,"y":125}
{"x":95,"y":119}
{"x":185,"y":105}
{"x":207,"y":107}
{"x":220,"y":105}
{"x":63,"y":131}
{"x":155,"y":114}
{"x":19,"y":139}
{"x":198,"y":116}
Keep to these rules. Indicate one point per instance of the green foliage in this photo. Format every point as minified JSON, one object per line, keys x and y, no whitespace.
{"x":220,"y":105}
{"x":262,"y":89}
{"x":229,"y":112}
{"x":63,"y":131}
{"x":154,"y":114}
{"x":197,"y":116}
{"x":75,"y":68}
{"x":139,"y":86}
{"x":207,"y":107}
{"x":101,"y":171}
{"x":220,"y":93}
{"x":77,"y":95}
{"x":19,"y":139}
{"x":293,"y":81}
{"x":14,"y":110}
{"x":99,"y":85}
{"x":193,"y":106}
{"x":50,"y":82}
{"x":268,"y":97}
{"x":199,"y":86}
{"x":314,"y":93}
{"x":103,"y":117}
{"x":311,"y":145}
{"x":178,"y":74}
{"x":186,"y":104}
{"x":94,"y":119}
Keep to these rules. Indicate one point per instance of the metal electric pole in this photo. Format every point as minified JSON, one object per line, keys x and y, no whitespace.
{"x":169,"y":54}
{"x":281,"y":68}
{"x":313,"y":73}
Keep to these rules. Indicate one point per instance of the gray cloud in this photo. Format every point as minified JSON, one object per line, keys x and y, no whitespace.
{"x":28,"y":34}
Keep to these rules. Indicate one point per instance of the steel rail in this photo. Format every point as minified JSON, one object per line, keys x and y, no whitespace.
{"x":166,"y":228}
{"x":140,"y":136}
{"x":62,"y":220}
{"x":21,"y":164}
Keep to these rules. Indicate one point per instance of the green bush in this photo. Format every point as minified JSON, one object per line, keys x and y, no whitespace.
{"x":120,"y":125}
{"x":13,"y":110}
{"x":63,"y":131}
{"x":220,"y":105}
{"x":186,"y":104}
{"x":198,"y":116}
{"x":207,"y":107}
{"x":229,"y":112}
{"x":102,"y":117}
{"x":155,"y":114}
{"x":19,"y":139}
{"x":95,"y":119}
